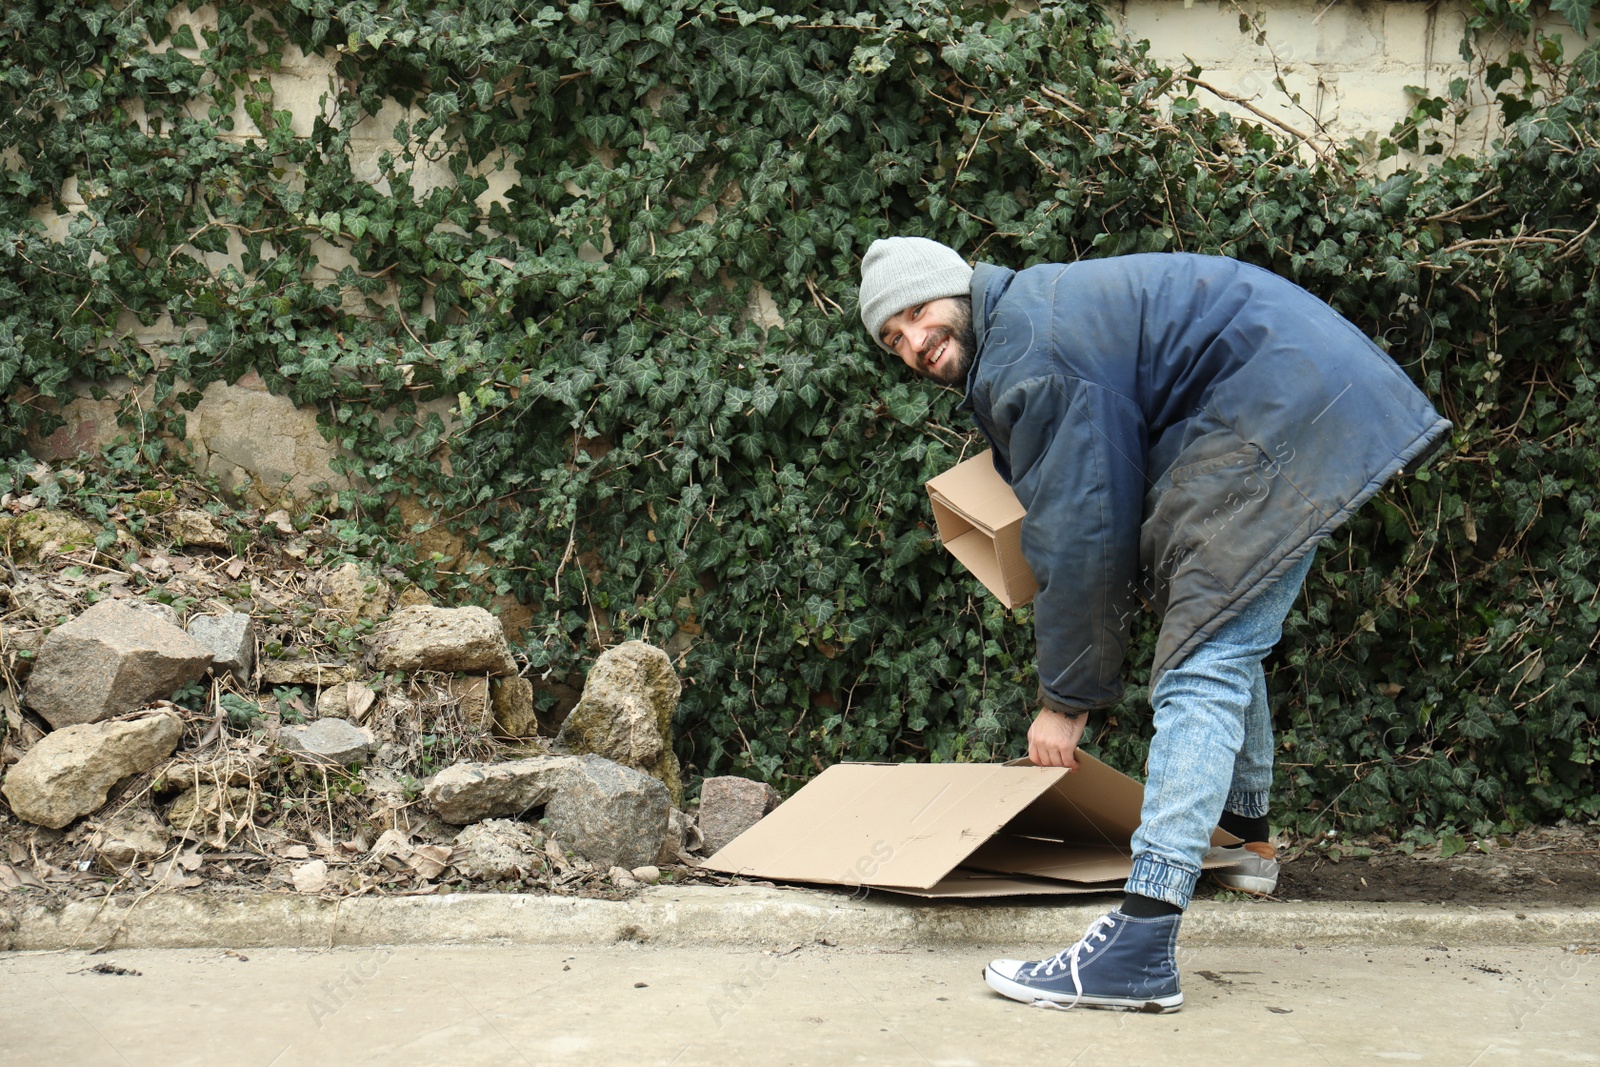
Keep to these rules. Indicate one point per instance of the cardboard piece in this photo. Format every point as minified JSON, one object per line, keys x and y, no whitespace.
{"x":980,"y":522}
{"x":950,"y":830}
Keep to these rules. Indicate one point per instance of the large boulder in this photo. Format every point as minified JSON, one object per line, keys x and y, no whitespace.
{"x":625,"y":713}
{"x":611,"y":815}
{"x":729,"y":806}
{"x":70,"y":771}
{"x":110,"y":660}
{"x":457,"y":640}
{"x":470,"y":792}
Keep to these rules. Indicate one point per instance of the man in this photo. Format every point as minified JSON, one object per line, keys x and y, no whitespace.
{"x":1182,"y":431}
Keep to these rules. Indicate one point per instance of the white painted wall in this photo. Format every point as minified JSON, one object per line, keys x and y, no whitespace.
{"x":1348,"y":60}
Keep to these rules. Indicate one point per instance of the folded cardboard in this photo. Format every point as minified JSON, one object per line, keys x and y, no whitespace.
{"x":980,"y":522}
{"x":950,"y":830}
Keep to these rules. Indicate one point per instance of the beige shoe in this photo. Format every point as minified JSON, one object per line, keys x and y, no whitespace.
{"x":1252,"y":868}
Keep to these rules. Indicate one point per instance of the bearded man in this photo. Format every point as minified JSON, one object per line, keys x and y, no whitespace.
{"x":1182,"y":431}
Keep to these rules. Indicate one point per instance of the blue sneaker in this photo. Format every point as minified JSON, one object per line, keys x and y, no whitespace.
{"x":1122,"y":963}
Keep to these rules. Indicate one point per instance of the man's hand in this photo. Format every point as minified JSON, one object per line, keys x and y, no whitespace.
{"x":1053,"y":739}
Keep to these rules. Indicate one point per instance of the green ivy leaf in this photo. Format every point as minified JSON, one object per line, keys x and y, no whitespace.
{"x":1576,"y":12}
{"x":1585,"y":71}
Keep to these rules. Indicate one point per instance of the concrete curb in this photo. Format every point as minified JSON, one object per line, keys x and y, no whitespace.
{"x":743,"y":915}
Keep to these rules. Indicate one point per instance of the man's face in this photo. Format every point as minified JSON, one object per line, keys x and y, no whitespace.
{"x":935,"y":339}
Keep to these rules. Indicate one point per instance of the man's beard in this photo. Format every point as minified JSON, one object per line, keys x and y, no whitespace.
{"x":966,"y":340}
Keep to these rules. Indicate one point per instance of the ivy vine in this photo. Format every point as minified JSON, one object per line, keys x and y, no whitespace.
{"x":560,"y":218}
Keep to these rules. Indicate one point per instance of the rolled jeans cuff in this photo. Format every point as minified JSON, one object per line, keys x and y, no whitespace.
{"x":1161,"y":880}
{"x":1251,"y":803}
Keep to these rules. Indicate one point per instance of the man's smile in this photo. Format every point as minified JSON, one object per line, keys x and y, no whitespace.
{"x":934,"y":339}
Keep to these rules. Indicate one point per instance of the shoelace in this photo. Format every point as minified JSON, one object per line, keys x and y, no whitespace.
{"x":1067,"y":958}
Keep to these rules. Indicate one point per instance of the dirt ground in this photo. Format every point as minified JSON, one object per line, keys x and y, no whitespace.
{"x":1543,"y":866}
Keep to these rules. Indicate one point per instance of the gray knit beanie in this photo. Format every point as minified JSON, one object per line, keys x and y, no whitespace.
{"x":901,"y":272}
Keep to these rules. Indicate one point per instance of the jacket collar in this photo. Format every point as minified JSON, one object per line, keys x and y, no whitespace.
{"x":989,"y":283}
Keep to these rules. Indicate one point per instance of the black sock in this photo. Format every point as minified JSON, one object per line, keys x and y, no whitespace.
{"x":1245,"y":827}
{"x":1137,"y":907}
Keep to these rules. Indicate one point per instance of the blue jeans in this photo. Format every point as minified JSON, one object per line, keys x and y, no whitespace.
{"x":1213,"y":746}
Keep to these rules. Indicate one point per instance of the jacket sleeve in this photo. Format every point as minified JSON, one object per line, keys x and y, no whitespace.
{"x":1077,"y":458}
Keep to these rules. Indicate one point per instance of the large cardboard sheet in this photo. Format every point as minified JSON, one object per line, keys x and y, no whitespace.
{"x":954,"y":829}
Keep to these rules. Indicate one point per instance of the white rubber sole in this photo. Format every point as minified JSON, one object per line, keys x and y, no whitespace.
{"x":1039,"y":999}
{"x":1244,"y":883}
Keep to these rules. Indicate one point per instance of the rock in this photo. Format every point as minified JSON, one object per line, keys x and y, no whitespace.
{"x":683,"y":836}
{"x":622,"y":878}
{"x":261,"y":443}
{"x":347,"y":700}
{"x":70,"y":771}
{"x":306,"y":672}
{"x":130,"y":837}
{"x":195,"y":528}
{"x":110,"y":660}
{"x":512,"y":702}
{"x":413,"y":597}
{"x":626,"y":712}
{"x":729,"y":806}
{"x":609,"y":814}
{"x":231,"y":639}
{"x":470,"y":792}
{"x":209,"y":810}
{"x":473,"y":693}
{"x":355,"y":595}
{"x":330,"y":742}
{"x":497,"y":849}
{"x":457,"y":640}
{"x":648,"y":875}
{"x":165,"y":612}
{"x":311,"y":877}
{"x":43,"y":533}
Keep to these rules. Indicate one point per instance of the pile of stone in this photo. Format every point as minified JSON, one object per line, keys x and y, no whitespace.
{"x":609,"y":796}
{"x":613,"y":795}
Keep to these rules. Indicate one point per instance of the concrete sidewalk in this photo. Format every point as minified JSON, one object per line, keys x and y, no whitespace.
{"x":806,"y":1004}
{"x":745,"y":916}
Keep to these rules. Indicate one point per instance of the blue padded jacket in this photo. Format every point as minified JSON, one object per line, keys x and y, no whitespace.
{"x":1181,"y":430}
